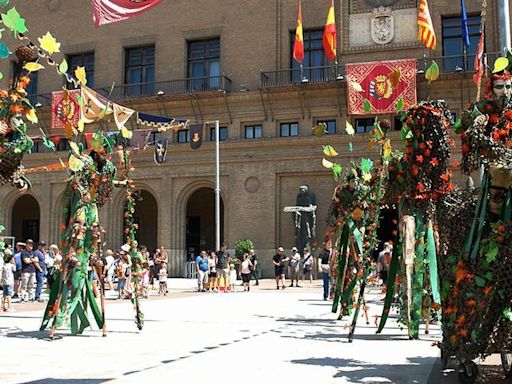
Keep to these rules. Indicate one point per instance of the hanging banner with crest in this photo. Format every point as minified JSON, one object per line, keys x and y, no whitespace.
{"x":196,"y":135}
{"x":65,"y":108}
{"x":375,"y":88}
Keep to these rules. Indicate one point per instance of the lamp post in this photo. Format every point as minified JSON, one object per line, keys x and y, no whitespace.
{"x":217,"y":185}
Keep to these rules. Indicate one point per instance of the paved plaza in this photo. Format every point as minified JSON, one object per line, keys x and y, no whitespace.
{"x":263,"y":336}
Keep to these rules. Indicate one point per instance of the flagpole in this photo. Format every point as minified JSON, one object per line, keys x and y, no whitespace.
{"x":504,"y":24}
{"x":217,"y":185}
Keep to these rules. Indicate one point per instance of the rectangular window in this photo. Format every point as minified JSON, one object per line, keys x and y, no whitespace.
{"x":331,"y":126}
{"x":32,"y":86}
{"x":183,"y":136}
{"x":223,"y":133}
{"x":398,"y":123}
{"x":253,"y":131}
{"x":314,"y":58}
{"x":83,"y":60}
{"x":63,"y":145}
{"x":364,"y":125}
{"x":139,"y":71}
{"x":39,"y":147}
{"x":453,"y":45}
{"x":156,"y":136}
{"x":203,"y":69}
{"x":289,"y":129}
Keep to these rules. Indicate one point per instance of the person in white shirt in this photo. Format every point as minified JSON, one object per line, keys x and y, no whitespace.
{"x":109,"y":268}
{"x":294,"y":266}
{"x":8,"y":269}
{"x":307,"y":266}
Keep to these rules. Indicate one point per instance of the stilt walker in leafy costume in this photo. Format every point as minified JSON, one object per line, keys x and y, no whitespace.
{"x":353,"y":221}
{"x":417,"y":180}
{"x":477,"y":290}
{"x":89,"y":186}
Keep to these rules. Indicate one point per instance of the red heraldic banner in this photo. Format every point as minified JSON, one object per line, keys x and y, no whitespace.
{"x":65,"y":108}
{"x":380,"y":84}
{"x":111,"y":11}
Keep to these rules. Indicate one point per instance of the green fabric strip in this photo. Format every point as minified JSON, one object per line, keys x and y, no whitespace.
{"x":393,"y":269}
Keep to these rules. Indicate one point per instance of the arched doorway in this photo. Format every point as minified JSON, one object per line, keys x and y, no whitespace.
{"x":146,"y":216}
{"x":200,"y":221}
{"x":25,"y":218}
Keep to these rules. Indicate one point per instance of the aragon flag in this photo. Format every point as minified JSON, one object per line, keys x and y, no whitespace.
{"x":196,"y":135}
{"x":329,"y":38}
{"x":298,"y":46}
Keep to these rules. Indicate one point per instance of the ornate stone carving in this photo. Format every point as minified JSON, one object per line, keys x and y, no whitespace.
{"x":380,"y":3}
{"x":382,"y":25}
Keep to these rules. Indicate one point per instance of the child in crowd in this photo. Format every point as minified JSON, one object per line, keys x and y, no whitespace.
{"x":162,"y":279}
{"x":232,"y":277}
{"x":8,"y":270}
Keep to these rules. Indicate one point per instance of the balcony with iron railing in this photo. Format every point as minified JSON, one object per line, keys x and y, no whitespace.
{"x":306,"y":75}
{"x":330,"y":74}
{"x":210,"y":84}
{"x":454,"y":64}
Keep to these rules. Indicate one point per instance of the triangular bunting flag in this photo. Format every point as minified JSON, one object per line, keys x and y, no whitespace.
{"x":94,"y":106}
{"x":121,"y":115}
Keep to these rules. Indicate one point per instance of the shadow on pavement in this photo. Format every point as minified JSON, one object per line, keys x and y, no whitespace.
{"x":354,"y":371}
{"x":67,"y":381}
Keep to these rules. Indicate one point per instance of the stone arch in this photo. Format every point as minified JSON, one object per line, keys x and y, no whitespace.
{"x":7,"y":208}
{"x":26,"y":218}
{"x":116,"y":217}
{"x":181,"y":210}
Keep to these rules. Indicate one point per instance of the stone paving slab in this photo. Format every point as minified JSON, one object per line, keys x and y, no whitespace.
{"x":264,"y":336}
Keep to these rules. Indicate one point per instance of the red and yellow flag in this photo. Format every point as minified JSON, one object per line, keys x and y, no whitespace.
{"x":298,"y":46}
{"x":426,"y":32}
{"x":329,"y":39}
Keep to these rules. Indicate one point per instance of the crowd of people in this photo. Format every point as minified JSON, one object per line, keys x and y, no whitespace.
{"x":25,"y":269}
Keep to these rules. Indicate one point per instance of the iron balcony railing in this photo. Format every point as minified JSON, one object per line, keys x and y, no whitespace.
{"x":172,"y":87}
{"x":454,"y":64}
{"x":305,"y":75}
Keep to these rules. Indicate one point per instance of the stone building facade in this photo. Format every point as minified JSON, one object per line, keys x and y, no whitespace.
{"x":250,"y":84}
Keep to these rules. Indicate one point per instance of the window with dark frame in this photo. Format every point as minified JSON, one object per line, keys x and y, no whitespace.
{"x":140,"y":71}
{"x":289,"y":129}
{"x":223,"y":133}
{"x":314,"y":57}
{"x":364,"y":125}
{"x":331,"y":126}
{"x":39,"y":147}
{"x":83,"y":60}
{"x":183,"y":136}
{"x":453,"y":44}
{"x":253,"y":131}
{"x":154,"y":137}
{"x":31,"y":89}
{"x":63,"y":145}
{"x":203,"y":69}
{"x":398,"y":124}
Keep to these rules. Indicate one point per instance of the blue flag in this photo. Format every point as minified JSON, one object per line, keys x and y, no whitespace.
{"x":465,"y":32}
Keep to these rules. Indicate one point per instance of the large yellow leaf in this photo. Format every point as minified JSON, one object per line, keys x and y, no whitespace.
{"x":127,"y":134}
{"x":80,"y":75}
{"x":327,"y":164}
{"x":49,"y":44}
{"x":75,"y":164}
{"x":74,"y":148}
{"x":330,"y":151}
{"x":32,"y":116}
{"x":387,"y":149}
{"x":349,"y":128}
{"x":33,"y":66}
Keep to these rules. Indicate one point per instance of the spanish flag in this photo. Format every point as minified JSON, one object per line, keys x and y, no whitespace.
{"x":298,"y":46}
{"x":329,"y":39}
{"x":426,"y":32}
